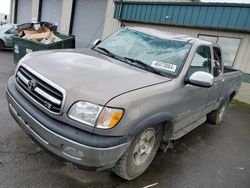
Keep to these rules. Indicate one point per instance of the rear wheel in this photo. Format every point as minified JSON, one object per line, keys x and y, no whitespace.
{"x":140,"y":153}
{"x":1,"y":44}
{"x":216,"y":116}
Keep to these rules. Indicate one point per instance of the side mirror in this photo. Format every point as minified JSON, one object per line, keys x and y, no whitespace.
{"x":96,"y":42}
{"x":201,"y":79}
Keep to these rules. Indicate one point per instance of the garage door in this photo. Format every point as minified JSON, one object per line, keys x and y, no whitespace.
{"x":24,"y":11}
{"x":88,"y":21}
{"x":51,"y":11}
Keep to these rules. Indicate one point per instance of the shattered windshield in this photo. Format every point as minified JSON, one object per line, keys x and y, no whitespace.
{"x":167,"y":56}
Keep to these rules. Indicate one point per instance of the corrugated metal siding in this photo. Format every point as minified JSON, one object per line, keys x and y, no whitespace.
{"x":218,"y":16}
{"x":111,"y":25}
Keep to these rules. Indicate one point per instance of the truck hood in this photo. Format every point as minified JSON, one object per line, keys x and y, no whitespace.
{"x":88,"y":75}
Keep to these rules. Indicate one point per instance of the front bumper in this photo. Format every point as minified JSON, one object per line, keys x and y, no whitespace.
{"x":69,"y":143}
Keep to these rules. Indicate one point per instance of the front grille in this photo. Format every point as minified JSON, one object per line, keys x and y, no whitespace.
{"x":41,"y":92}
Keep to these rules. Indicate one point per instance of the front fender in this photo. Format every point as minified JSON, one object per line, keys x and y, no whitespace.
{"x":153,"y":120}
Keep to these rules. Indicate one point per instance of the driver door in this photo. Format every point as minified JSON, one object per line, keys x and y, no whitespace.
{"x":194,"y":98}
{"x":215,"y":90}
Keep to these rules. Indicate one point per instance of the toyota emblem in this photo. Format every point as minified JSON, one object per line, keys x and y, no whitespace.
{"x":31,"y":85}
{"x":48,"y":105}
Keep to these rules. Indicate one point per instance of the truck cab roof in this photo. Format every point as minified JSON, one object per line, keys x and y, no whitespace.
{"x":171,"y":36}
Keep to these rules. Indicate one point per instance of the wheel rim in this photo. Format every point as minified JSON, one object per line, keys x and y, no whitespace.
{"x":144,"y":146}
{"x":222,"y":110}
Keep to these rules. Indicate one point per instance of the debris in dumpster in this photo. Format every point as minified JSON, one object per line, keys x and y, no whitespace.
{"x":41,"y":34}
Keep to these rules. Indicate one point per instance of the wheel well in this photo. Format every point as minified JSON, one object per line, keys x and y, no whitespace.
{"x":168,"y":130}
{"x":232,"y":95}
{"x":2,"y":42}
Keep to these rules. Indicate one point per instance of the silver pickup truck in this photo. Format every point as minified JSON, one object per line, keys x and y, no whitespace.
{"x":114,"y":105}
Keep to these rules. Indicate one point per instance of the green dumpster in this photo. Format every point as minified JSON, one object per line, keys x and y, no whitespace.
{"x":23,"y":46}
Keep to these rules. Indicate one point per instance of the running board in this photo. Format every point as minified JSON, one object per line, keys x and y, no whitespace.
{"x":178,"y":134}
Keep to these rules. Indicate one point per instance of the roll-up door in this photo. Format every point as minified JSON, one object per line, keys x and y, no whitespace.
{"x":88,"y":21}
{"x":51,"y":11}
{"x":24,"y":8}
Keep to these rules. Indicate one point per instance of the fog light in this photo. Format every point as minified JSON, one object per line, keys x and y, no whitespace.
{"x":72,"y":152}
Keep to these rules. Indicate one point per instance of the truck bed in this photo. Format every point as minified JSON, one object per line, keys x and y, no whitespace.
{"x":228,"y":69}
{"x":232,"y":81}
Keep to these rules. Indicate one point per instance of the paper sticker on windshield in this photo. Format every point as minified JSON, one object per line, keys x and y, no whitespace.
{"x":163,"y":65}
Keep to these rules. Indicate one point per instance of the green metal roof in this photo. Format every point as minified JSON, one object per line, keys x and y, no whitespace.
{"x":226,"y":16}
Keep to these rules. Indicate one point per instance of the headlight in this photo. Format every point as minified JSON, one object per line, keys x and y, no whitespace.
{"x":93,"y":114}
{"x":85,"y":112}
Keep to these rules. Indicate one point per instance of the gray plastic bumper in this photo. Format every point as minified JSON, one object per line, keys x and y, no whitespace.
{"x":70,"y":150}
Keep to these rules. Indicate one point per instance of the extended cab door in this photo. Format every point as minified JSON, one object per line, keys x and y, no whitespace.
{"x":215,"y":90}
{"x":194,"y":98}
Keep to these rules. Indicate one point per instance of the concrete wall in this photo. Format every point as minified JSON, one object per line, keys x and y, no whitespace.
{"x":66,"y":16}
{"x":35,"y":10}
{"x":12,"y":10}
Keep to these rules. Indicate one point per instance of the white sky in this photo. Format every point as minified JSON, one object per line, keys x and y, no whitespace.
{"x":227,"y":1}
{"x":4,"y":6}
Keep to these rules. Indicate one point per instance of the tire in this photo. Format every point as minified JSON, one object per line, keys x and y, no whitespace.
{"x":216,"y":116}
{"x":1,"y":45}
{"x":140,"y":153}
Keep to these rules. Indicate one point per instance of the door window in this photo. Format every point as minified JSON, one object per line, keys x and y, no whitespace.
{"x":217,"y":61}
{"x":11,"y":31}
{"x":201,"y":60}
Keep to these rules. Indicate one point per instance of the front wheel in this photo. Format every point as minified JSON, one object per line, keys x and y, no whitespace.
{"x":1,"y":45}
{"x":216,"y":116}
{"x":140,"y":153}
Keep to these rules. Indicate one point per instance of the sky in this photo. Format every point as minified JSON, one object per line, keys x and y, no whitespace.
{"x":5,"y":4}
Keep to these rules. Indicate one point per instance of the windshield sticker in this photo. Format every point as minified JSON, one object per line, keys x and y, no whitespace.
{"x":164,"y":66}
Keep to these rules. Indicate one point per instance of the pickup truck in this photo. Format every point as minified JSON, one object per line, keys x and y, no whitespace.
{"x":114,"y":105}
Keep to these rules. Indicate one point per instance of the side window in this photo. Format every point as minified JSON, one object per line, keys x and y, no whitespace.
{"x":201,"y":60}
{"x":11,"y":31}
{"x":217,"y":61}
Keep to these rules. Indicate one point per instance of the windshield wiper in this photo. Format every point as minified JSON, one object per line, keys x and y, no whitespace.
{"x":131,"y":61}
{"x":106,"y":51}
{"x":144,"y":65}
